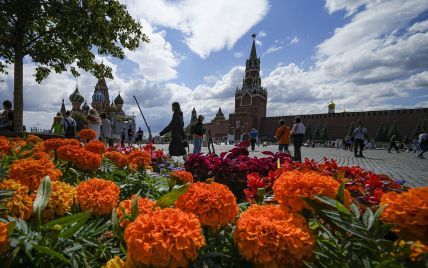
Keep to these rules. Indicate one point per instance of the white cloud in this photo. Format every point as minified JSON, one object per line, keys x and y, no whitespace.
{"x":349,"y":5}
{"x":295,"y":40}
{"x":238,"y":54}
{"x":262,"y":34}
{"x":273,"y":48}
{"x":378,"y":18}
{"x":205,"y":24}
{"x":156,"y":60}
{"x":209,"y":79}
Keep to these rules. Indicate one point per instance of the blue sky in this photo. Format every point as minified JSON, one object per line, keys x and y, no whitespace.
{"x":366,"y":54}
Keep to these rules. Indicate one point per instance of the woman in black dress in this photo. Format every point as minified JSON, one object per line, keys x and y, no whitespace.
{"x":176,"y":147}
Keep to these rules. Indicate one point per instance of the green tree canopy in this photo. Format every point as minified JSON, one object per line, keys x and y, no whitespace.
{"x":351,"y":129}
{"x":308,"y":132}
{"x":393,"y":130}
{"x":63,"y":36}
{"x":380,"y":133}
{"x":317,"y":133}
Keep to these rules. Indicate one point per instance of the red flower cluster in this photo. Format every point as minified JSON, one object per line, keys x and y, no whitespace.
{"x":97,"y":147}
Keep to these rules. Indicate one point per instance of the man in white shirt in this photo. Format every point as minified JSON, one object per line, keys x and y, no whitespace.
{"x":298,"y":131}
{"x":105,"y":129}
{"x":359,"y":135}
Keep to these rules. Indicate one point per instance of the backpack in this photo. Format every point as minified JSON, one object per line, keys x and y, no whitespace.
{"x":69,"y":131}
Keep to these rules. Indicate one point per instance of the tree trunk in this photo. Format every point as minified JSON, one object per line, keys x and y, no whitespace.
{"x":18,"y":95}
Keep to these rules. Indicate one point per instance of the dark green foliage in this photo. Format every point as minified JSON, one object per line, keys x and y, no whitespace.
{"x":308,"y":133}
{"x":63,"y":36}
{"x":317,"y":133}
{"x":351,"y":128}
{"x":380,"y":133}
{"x":393,"y":130}
{"x":345,"y":238}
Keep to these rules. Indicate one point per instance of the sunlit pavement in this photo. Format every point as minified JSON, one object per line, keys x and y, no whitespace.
{"x":400,"y":166}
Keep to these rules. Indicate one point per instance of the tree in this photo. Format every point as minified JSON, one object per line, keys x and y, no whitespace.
{"x":417,"y":129}
{"x":380,"y":133}
{"x":393,"y":130}
{"x":308,"y":132}
{"x":317,"y":133}
{"x":351,"y":129}
{"x":323,"y":133}
{"x":63,"y":36}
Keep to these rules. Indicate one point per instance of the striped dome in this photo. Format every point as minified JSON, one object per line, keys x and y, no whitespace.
{"x":98,"y":96}
{"x":85,"y":107}
{"x":118,"y":100}
{"x":76,"y":96}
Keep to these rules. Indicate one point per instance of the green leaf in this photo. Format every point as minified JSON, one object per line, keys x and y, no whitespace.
{"x":340,"y":196}
{"x":341,"y":208}
{"x":326,"y":200}
{"x":69,"y":220}
{"x":368,"y":218}
{"x":134,"y":207}
{"x":355,"y":211}
{"x":51,"y":252}
{"x":169,"y":199}
{"x":69,"y":232}
{"x":43,"y":194}
{"x":116,"y":227}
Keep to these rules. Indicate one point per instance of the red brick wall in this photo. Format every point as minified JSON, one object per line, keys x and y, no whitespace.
{"x":337,"y":124}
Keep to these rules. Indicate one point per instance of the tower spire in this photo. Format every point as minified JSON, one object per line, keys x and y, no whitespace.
{"x":253,"y":54}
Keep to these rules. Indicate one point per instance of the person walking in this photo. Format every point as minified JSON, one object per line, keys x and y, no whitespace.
{"x":393,"y":144}
{"x":6,"y":117}
{"x":130,"y":136}
{"x":140,"y":134}
{"x":298,"y":131}
{"x":176,"y":146}
{"x":423,"y":144}
{"x":56,"y":125}
{"x":198,"y":131}
{"x":105,"y":129}
{"x":94,"y":122}
{"x":406,"y":143}
{"x":283,"y":136}
{"x":359,"y":135}
{"x":253,"y":139}
{"x":69,"y":125}
{"x":123,"y":136}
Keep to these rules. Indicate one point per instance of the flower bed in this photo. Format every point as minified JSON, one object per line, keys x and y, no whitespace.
{"x":65,"y":204}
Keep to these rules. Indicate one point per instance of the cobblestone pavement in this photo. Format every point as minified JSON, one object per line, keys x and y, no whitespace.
{"x":403,"y":166}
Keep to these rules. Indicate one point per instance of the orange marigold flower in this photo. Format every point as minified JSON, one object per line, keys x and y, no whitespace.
{"x":4,"y":237}
{"x":20,"y":205}
{"x":5,"y":148}
{"x":98,"y":195}
{"x":116,"y":262}
{"x":61,"y":200}
{"x":213,"y":203}
{"x":81,"y":158}
{"x":54,"y":144}
{"x":30,"y":172}
{"x":33,"y":139}
{"x":417,"y":249}
{"x":97,"y":147}
{"x":408,"y":211}
{"x":291,"y":186}
{"x":182,"y":176}
{"x":164,"y":238}
{"x":145,"y":206}
{"x":273,"y":236}
{"x":87,"y":134}
{"x":17,"y":143}
{"x":118,"y":159}
{"x":139,"y":158}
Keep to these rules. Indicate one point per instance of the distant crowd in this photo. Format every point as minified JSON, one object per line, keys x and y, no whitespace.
{"x":357,"y":142}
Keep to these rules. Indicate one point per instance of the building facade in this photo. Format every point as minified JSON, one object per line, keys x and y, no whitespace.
{"x":101,"y":103}
{"x":251,"y":104}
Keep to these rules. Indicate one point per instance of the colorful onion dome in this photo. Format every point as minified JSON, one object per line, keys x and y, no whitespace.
{"x":118,"y":100}
{"x":331,"y":105}
{"x":76,"y":96}
{"x":113,"y":107}
{"x":98,"y":96}
{"x":85,"y":107}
